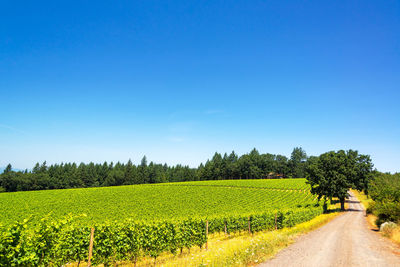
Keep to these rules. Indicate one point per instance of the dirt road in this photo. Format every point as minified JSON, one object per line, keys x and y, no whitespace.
{"x":345,"y":241}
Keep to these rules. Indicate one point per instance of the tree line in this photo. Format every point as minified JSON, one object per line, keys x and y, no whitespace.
{"x":252,"y":165}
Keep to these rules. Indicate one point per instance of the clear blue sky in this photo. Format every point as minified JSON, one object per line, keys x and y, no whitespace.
{"x":179,"y":80}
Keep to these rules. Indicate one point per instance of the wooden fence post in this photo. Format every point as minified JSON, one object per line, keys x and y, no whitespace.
{"x":91,"y":247}
{"x":249,"y":226}
{"x":207,"y":235}
{"x":226,"y":232}
{"x":276,"y":225}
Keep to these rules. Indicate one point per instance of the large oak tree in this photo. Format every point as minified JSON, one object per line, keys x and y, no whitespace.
{"x":333,"y":173}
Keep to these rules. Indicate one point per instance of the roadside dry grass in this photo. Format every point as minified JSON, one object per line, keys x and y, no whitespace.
{"x":365,"y":201}
{"x":396,"y":235}
{"x":371,"y":219}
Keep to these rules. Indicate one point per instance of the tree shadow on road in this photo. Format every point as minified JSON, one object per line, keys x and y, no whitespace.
{"x":335,"y":201}
{"x":354,"y":209}
{"x":352,"y":201}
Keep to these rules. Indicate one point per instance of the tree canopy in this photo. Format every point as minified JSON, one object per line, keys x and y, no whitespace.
{"x":332,"y":174}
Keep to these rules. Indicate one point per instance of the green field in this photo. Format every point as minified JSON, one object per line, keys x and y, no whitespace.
{"x":202,"y":199}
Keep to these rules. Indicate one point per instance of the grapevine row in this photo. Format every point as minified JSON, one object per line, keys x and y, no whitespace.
{"x":58,"y":242}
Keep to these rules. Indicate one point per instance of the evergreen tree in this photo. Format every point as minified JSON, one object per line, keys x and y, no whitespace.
{"x":297,"y":162}
{"x":36,"y":169}
{"x":129,"y":175}
{"x":7,"y":169}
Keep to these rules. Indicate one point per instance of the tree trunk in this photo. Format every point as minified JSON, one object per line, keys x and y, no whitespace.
{"x":342,"y":203}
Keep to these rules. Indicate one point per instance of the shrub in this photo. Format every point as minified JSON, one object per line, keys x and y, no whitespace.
{"x":385,"y":191}
{"x":371,"y":207}
{"x":387,"y":228}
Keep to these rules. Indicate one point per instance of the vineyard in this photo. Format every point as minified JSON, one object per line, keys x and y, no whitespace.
{"x":282,"y":184}
{"x":142,"y":220}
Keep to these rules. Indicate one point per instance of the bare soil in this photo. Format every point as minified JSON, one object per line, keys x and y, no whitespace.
{"x":345,"y":241}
